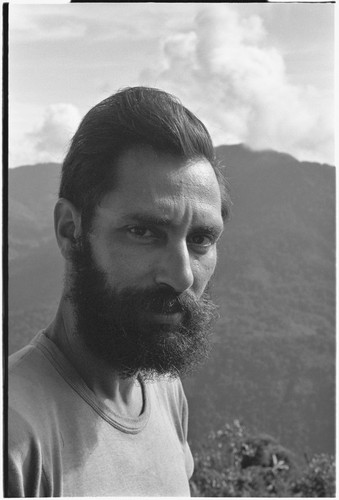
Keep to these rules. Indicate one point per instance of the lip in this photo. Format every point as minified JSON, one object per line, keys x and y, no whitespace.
{"x":168,"y":319}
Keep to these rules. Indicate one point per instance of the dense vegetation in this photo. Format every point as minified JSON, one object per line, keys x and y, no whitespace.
{"x":273,"y":364}
{"x":234,"y":463}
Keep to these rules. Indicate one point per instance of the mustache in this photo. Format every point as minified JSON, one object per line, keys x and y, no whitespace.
{"x":162,"y":300}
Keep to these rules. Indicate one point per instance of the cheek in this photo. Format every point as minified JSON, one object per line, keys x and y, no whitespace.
{"x":203,"y":271}
{"x":122,"y":268}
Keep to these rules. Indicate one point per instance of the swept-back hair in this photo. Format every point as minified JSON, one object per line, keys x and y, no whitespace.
{"x":134,"y":116}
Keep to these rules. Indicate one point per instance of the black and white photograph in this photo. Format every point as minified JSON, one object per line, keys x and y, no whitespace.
{"x":171,"y":295}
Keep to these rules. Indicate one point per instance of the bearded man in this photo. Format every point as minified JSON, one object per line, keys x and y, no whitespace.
{"x":96,"y":406}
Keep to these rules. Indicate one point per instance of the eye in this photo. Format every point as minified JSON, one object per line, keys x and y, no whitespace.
{"x":201,"y":241}
{"x":141,"y":232}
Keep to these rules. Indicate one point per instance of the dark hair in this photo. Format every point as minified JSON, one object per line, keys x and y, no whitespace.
{"x":131,"y":117}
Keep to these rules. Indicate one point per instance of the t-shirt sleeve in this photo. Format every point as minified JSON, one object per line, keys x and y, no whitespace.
{"x":15,"y":477}
{"x":25,"y":471}
{"x":184,"y":415}
{"x":189,"y":463}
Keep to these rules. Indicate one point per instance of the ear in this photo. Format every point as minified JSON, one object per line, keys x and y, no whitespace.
{"x":67,"y":225}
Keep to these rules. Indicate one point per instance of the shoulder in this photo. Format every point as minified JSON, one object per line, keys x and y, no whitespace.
{"x":25,"y":386}
{"x":29,"y":372}
{"x":170,"y":394}
{"x":32,"y":419}
{"x":25,"y":455}
{"x":172,"y":387}
{"x":173,"y":390}
{"x":33,"y":387}
{"x":24,"y":448}
{"x":167,"y":390}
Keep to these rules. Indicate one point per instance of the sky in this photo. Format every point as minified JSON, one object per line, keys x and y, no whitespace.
{"x":259,"y":74}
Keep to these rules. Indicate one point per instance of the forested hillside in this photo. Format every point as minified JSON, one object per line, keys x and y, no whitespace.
{"x":273,"y":365}
{"x":273,"y":362}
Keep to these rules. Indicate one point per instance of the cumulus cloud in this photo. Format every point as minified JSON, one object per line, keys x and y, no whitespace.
{"x":225,"y":70}
{"x":50,"y":137}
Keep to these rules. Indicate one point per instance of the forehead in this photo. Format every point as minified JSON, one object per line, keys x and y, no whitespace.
{"x":145,"y":179}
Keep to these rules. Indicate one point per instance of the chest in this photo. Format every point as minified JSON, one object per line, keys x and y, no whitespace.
{"x":96,"y":459}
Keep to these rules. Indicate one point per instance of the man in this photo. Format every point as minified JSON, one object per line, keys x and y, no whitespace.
{"x":95,"y":403}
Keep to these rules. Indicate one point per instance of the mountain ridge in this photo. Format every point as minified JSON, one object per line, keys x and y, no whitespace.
{"x":274,"y":358}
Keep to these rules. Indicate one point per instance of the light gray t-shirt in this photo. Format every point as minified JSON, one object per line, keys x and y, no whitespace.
{"x":63,"y":441}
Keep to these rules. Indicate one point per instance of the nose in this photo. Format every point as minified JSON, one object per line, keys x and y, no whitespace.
{"x":175,"y":268}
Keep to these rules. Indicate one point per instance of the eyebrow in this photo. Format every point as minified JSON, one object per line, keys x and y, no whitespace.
{"x":154,"y":220}
{"x":149,"y":219}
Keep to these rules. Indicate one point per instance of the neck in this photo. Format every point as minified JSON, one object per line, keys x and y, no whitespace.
{"x":122,"y":395}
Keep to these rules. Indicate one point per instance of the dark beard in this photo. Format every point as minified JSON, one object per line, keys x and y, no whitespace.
{"x":115,"y":328}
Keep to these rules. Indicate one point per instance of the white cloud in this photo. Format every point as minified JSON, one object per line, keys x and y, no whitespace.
{"x":49,"y":136}
{"x":216,"y":57}
{"x":225,"y":70}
